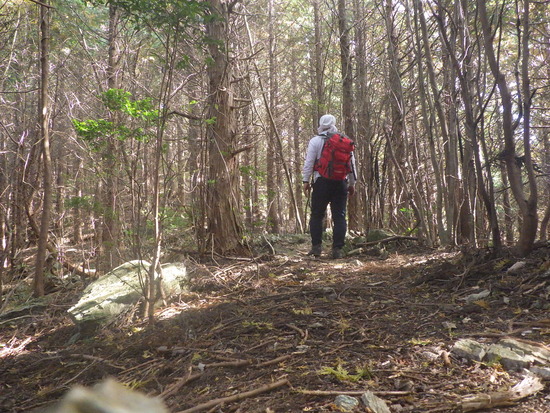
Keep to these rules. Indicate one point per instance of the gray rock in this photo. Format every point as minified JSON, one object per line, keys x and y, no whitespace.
{"x":469,"y":349}
{"x":514,"y":269}
{"x":539,"y":353}
{"x":122,"y":288}
{"x":477,"y":296}
{"x":346,"y":403}
{"x":511,"y":359}
{"x":513,"y":355}
{"x":374,"y":403}
{"x":543,"y":372}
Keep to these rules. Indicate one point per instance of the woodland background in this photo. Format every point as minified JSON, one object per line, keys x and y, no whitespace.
{"x":127,"y":126}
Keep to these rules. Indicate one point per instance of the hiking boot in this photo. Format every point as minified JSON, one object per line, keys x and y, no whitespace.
{"x":316,"y":251}
{"x":337,"y":253}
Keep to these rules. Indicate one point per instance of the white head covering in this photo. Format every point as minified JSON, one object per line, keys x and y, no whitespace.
{"x":327,"y":124}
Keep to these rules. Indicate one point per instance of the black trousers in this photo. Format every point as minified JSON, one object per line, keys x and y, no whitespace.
{"x":335,"y":193}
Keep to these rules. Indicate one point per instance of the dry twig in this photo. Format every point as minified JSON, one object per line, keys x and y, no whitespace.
{"x":237,"y":397}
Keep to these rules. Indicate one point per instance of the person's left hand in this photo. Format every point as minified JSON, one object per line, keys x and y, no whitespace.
{"x":351,"y":190}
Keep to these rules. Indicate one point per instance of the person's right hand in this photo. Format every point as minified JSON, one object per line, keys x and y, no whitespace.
{"x":307,"y":187}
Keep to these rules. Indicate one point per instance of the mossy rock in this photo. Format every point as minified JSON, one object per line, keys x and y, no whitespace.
{"x":121,"y":288}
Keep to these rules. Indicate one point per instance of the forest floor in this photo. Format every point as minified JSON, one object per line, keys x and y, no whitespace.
{"x":288,"y":333}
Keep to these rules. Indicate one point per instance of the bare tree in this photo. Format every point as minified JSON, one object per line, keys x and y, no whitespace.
{"x":273,"y":155}
{"x":465,"y":76}
{"x":527,"y":203}
{"x":347,"y":97}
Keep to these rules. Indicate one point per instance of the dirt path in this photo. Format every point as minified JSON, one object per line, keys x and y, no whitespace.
{"x":315,"y":328}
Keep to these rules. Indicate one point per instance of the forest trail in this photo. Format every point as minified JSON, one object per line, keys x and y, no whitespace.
{"x":316,"y":328}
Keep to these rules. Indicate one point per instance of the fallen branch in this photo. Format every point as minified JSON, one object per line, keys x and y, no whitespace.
{"x":232,"y":363}
{"x":352,"y":392}
{"x":274,"y":361}
{"x":174,"y":388}
{"x":297,"y":329}
{"x":237,"y":397}
{"x":494,"y":334}
{"x":11,"y":320}
{"x":361,"y":246}
{"x":527,"y":387}
{"x":544,"y":323}
{"x":386,"y":240}
{"x":244,"y":363}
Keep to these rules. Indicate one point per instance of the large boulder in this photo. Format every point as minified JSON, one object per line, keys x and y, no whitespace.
{"x":122,"y":288}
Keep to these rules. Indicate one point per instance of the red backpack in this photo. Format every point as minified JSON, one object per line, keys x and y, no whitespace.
{"x":335,"y":161}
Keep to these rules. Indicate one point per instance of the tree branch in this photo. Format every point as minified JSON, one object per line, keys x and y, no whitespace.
{"x":42,"y":4}
{"x":237,"y":397}
{"x":184,"y":115}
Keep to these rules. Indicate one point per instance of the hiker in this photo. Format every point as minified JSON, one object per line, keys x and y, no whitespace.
{"x":333,"y":177}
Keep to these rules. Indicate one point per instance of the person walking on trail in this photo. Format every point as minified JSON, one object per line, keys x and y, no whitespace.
{"x":330,"y":165}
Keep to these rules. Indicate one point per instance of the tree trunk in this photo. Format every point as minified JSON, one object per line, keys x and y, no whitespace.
{"x":38,"y":284}
{"x":506,"y":206}
{"x":445,"y":187}
{"x":543,"y":234}
{"x":224,"y":221}
{"x":279,"y":144}
{"x":398,"y":139}
{"x":298,"y":153}
{"x":318,"y":68}
{"x":273,"y":155}
{"x":527,"y":205}
{"x":109,"y":230}
{"x":462,"y":68}
{"x":347,"y":98}
{"x":366,"y":188}
{"x":530,"y":221}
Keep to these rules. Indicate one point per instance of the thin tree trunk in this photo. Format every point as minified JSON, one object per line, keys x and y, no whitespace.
{"x":154,"y":283}
{"x":428,"y":106}
{"x":297,"y":154}
{"x":543,"y":234}
{"x":4,"y":214}
{"x":347,"y":98}
{"x":528,"y":235}
{"x":273,"y":155}
{"x":527,"y":205}
{"x":398,"y":138}
{"x":38,"y":284}
{"x":464,"y":76}
{"x":77,"y":210}
{"x":278,"y":139}
{"x":365,"y":191}
{"x":319,"y":95}
{"x":109,"y":230}
{"x":506,"y":206}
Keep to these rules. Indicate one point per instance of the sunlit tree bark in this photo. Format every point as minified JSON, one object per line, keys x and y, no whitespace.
{"x":224,"y":220}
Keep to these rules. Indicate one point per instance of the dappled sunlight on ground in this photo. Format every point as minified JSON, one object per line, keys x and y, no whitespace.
{"x":318,"y":326}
